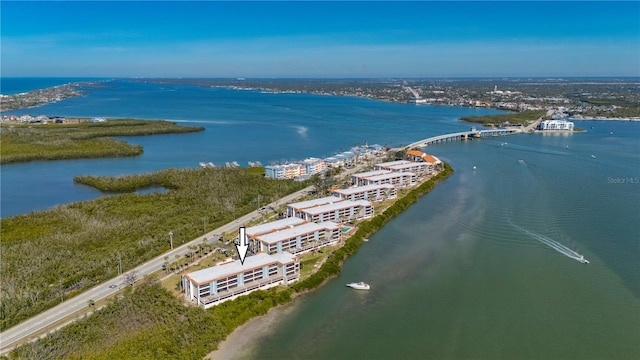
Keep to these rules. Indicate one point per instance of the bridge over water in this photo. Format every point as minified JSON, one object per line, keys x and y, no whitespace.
{"x":464,"y":135}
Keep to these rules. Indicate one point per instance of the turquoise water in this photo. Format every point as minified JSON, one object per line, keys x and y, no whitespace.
{"x":456,"y":277}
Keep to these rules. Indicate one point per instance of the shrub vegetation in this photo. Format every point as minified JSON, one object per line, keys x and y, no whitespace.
{"x":48,"y":256}
{"x":499,"y":119}
{"x":21,"y":143}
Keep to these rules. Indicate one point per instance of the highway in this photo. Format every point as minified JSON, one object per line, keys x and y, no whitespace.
{"x":34,"y":325}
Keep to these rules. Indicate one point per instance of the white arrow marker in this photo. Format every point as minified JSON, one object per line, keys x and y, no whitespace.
{"x":242,"y":245}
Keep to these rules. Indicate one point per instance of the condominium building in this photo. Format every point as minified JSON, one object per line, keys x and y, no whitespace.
{"x":294,"y":209}
{"x":214,"y":285}
{"x":340,"y":211}
{"x":419,"y":168}
{"x":399,"y":179}
{"x":556,"y":125}
{"x":272,"y":226}
{"x":361,"y":178}
{"x":284,"y":171}
{"x":314,"y":166}
{"x":306,"y":168}
{"x":296,"y":239}
{"x":367,"y":192}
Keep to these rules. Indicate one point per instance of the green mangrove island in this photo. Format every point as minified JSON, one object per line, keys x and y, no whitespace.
{"x":498,"y":119}
{"x":148,"y":321}
{"x":81,"y":140}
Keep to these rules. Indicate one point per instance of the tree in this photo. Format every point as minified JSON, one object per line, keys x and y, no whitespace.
{"x":130,"y":277}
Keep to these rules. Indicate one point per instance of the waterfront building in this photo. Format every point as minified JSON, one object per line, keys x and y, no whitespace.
{"x":293,"y":171}
{"x":361,"y":178}
{"x":367,"y":192}
{"x":212,"y":286}
{"x":305,"y":169}
{"x":297,"y":239}
{"x":274,"y":171}
{"x":399,"y":179}
{"x":314,"y":166}
{"x":272,"y":226}
{"x":294,"y":209}
{"x":333,"y":161}
{"x":385,"y":165}
{"x":340,"y":211}
{"x":419,"y":156}
{"x":284,"y":171}
{"x":419,"y":168}
{"x":556,"y":125}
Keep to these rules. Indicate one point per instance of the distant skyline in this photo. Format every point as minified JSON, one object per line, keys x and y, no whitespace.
{"x":319,"y":39}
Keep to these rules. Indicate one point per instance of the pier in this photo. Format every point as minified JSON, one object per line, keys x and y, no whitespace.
{"x":465,"y":135}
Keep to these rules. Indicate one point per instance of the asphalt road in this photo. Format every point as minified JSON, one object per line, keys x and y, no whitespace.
{"x":34,"y":325}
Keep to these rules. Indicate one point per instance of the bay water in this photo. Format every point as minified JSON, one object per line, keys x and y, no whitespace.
{"x":239,"y":126}
{"x":463,"y":274}
{"x":467,"y":272}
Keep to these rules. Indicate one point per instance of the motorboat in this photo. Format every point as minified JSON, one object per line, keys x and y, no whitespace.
{"x":359,"y":286}
{"x":583,"y":260}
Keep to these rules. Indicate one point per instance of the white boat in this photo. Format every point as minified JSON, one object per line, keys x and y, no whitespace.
{"x":359,"y":286}
{"x":583,"y":260}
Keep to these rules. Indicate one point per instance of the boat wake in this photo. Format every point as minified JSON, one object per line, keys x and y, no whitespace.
{"x":554,"y":245}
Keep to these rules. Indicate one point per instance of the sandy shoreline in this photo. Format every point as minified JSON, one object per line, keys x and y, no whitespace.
{"x":241,"y":342}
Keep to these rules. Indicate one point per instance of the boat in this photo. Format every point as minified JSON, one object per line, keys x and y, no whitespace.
{"x":583,"y":260}
{"x":359,"y":286}
{"x":365,"y":239}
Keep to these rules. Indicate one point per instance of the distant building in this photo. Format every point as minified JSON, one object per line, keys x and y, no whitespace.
{"x":274,"y":171}
{"x":284,"y":171}
{"x":314,"y":166}
{"x":556,"y":125}
{"x":308,"y":167}
{"x":417,"y":100}
{"x":212,"y":286}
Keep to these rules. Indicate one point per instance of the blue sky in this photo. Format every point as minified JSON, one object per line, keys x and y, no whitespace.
{"x":319,"y":39}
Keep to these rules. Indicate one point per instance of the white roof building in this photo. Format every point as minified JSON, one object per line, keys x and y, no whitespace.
{"x":556,"y":125}
{"x":360,"y":178}
{"x":227,"y":281}
{"x":399,"y":179}
{"x":371,"y":192}
{"x":338,"y":211}
{"x":297,"y":239}
{"x":273,"y":226}
{"x":294,"y":208}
